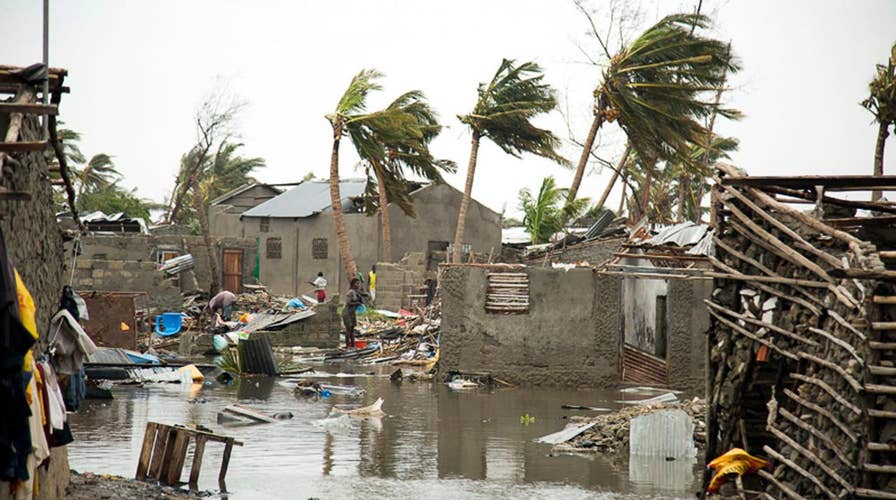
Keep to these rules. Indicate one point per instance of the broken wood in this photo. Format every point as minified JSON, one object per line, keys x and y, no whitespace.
{"x":799,"y":470}
{"x":828,"y":389}
{"x":167,"y":456}
{"x":821,"y":436}
{"x":783,"y":488}
{"x":856,"y":386}
{"x":29,"y":108}
{"x":751,"y":336}
{"x":812,"y":457}
{"x":825,"y":412}
{"x":763,"y":324}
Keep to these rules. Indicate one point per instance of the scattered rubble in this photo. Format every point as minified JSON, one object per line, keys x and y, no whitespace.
{"x":610,"y":432}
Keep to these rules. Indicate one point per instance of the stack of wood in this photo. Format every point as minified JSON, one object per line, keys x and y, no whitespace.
{"x":803,"y":334}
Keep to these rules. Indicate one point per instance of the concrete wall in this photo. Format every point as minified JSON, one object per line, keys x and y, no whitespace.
{"x":569,"y":337}
{"x":640,"y":297}
{"x":224,"y":216}
{"x":437,"y":207}
{"x":436,"y":219}
{"x":127,"y":262}
{"x":395,"y":281}
{"x":594,"y":252}
{"x":34,"y":244}
{"x":688,"y":326}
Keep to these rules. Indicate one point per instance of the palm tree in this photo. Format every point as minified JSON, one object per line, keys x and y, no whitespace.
{"x":503,"y":114}
{"x":882,"y":104}
{"x":545,"y":214}
{"x":98,"y":173}
{"x":653,"y":88}
{"x":405,"y":150}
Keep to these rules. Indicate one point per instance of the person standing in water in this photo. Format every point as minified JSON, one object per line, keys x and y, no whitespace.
{"x":320,"y":287}
{"x":353,"y":298}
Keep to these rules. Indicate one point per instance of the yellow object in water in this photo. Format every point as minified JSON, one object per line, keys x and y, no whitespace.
{"x":735,"y":461}
{"x":193,"y":372}
{"x":124,"y":326}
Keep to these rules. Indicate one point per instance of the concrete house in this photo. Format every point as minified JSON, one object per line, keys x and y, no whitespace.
{"x":296,"y":235}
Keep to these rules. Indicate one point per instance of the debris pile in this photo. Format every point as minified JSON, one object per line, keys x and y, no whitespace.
{"x":610,"y":432}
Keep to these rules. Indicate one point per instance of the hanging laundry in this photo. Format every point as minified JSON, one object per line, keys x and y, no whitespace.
{"x":16,"y":340}
{"x":69,"y":342}
{"x":57,"y":428}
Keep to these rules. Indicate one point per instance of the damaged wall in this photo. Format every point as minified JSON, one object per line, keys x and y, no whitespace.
{"x":395,"y":281}
{"x":127,"y":262}
{"x":569,"y":337}
{"x":594,"y":252}
{"x":34,"y":244}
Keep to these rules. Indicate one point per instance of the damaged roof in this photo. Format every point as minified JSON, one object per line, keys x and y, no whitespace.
{"x":307,"y":199}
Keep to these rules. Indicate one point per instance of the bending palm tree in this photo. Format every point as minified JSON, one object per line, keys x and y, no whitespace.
{"x":404,"y":150}
{"x":98,"y":173}
{"x":368,"y":133}
{"x":503,"y":114}
{"x":882,"y":103}
{"x":653,"y":88}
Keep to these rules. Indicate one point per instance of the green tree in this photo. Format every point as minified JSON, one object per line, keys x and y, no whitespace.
{"x":112,"y":198}
{"x":406,"y":151}
{"x":654,"y":87}
{"x":881,"y":102}
{"x":545,"y":214}
{"x":503,"y":114}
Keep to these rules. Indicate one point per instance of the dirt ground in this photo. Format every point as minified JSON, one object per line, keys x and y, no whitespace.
{"x":89,"y":486}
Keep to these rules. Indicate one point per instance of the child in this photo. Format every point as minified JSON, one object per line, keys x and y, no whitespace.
{"x":320,"y":286}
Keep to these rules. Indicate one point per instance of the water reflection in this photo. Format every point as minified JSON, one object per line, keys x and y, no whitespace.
{"x":467,"y":444}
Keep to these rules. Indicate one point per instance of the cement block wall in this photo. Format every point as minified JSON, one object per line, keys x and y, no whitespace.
{"x":569,"y":337}
{"x":321,"y":330}
{"x":393,"y":281}
{"x":127,"y":263}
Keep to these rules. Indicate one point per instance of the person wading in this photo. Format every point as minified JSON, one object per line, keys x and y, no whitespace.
{"x":354,"y":297}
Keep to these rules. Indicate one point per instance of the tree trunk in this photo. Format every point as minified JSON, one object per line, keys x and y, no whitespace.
{"x":645,"y":188}
{"x":619,"y":167}
{"x":683,"y":184}
{"x":199,"y":205}
{"x":345,"y":251}
{"x":384,"y":215}
{"x":882,"y":134}
{"x":583,"y":159}
{"x":465,"y":201}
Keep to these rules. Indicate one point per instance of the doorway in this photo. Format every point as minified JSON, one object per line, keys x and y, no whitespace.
{"x":233,"y":270}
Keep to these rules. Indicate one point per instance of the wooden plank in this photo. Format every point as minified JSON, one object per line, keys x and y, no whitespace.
{"x":242,"y":411}
{"x":225,"y":462}
{"x":830,"y":182}
{"x":881,"y":413}
{"x":149,"y":437}
{"x":163,"y":434}
{"x":861,"y":221}
{"x":883,"y":371}
{"x":886,"y":254}
{"x":198,"y":451}
{"x":880,"y":469}
{"x":884,"y":299}
{"x":29,"y":108}
{"x":22,"y":146}
{"x":823,"y":411}
{"x":812,"y":457}
{"x":883,"y":325}
{"x":178,"y":456}
{"x":881,"y":447}
{"x":869,"y":493}
{"x":882,"y":346}
{"x":880,"y":389}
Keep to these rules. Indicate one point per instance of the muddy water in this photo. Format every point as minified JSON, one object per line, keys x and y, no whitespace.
{"x":434,"y":442}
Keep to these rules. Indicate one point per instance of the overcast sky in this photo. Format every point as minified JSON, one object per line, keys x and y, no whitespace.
{"x":138,"y":70}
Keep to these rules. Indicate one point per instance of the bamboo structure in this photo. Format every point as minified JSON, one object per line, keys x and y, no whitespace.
{"x":803,"y":335}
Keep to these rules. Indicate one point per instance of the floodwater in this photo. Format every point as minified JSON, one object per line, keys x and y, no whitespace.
{"x":434,"y":441}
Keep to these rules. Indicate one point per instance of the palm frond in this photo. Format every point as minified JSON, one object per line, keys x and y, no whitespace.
{"x":507,"y":104}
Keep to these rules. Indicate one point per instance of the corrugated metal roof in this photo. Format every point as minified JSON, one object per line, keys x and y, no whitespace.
{"x":306,"y":199}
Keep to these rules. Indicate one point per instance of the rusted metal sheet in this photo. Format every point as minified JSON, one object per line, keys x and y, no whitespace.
{"x":639,"y":367}
{"x":115,"y":317}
